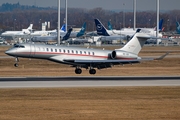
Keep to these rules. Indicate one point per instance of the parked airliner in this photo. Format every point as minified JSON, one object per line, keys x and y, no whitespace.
{"x":82,"y":57}
{"x":52,"y":38}
{"x":14,"y":33}
{"x":101,"y":30}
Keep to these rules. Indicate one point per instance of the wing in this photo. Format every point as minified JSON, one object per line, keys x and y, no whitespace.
{"x":100,"y":64}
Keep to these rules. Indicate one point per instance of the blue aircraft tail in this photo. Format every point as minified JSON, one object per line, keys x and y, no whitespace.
{"x":109,"y":26}
{"x":177,"y":27}
{"x":67,"y":34}
{"x":101,"y":30}
{"x":160,"y":25}
{"x":63,"y":27}
{"x":82,"y":31}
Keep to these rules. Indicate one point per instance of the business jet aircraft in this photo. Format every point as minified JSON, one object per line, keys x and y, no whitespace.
{"x":83,"y":57}
{"x":48,"y":32}
{"x":14,"y":33}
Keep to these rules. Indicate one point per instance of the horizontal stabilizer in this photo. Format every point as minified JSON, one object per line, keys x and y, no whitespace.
{"x":161,"y":57}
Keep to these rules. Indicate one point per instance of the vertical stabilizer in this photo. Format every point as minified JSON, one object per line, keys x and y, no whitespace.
{"x":82,"y":31}
{"x":178,"y":27}
{"x":101,"y":30}
{"x":109,"y":26}
{"x":63,"y":28}
{"x":67,"y":34}
{"x":160,"y":25}
{"x":136,"y":43}
{"x":30,"y":27}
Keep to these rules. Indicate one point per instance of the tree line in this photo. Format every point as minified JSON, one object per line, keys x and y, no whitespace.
{"x":17,"y":17}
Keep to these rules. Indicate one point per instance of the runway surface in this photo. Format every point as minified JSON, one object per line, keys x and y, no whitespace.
{"x":89,"y":81}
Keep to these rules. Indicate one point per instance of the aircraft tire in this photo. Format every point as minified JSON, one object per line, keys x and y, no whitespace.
{"x":78,"y":71}
{"x":16,"y":65}
{"x":92,"y":71}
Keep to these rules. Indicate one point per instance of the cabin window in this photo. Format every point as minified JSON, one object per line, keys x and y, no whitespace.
{"x":51,"y":50}
{"x":59,"y":50}
{"x":76,"y":52}
{"x":55,"y":50}
{"x":89,"y":53}
{"x":68,"y":51}
{"x":84,"y":52}
{"x":72,"y":51}
{"x":64,"y":51}
{"x":47,"y":49}
{"x":80,"y":52}
{"x":92,"y":53}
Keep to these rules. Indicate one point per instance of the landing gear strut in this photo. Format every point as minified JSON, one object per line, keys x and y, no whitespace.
{"x":16,"y":60}
{"x":78,"y":71}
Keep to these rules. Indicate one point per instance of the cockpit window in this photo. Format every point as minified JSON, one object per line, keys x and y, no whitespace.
{"x":18,"y":46}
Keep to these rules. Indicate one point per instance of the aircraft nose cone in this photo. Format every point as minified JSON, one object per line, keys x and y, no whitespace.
{"x":9,"y":52}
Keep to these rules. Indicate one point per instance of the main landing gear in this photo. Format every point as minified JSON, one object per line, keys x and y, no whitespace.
{"x":79,"y":71}
{"x":92,"y":71}
{"x":16,"y":62}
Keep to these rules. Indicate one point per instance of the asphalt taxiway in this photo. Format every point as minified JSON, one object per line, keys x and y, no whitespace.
{"x":88,"y":81}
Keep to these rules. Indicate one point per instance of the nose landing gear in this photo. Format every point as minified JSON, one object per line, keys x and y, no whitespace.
{"x":16,"y":62}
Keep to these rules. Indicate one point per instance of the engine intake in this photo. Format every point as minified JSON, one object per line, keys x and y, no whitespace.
{"x":113,"y":55}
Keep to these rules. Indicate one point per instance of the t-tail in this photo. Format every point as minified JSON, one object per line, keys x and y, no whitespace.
{"x":82,"y":31}
{"x":136,"y":43}
{"x":177,"y":27}
{"x":101,"y":30}
{"x":67,"y":34}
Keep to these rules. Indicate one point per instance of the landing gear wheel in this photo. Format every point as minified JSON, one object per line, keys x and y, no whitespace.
{"x":16,"y":60}
{"x":16,"y":65}
{"x":78,"y":71}
{"x":92,"y":71}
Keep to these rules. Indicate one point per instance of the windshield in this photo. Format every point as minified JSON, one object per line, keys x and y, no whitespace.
{"x":18,"y":46}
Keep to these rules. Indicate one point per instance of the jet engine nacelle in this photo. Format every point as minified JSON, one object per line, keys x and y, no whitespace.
{"x":25,"y":31}
{"x":118,"y":54}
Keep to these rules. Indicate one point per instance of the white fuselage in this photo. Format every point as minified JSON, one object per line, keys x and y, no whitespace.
{"x":60,"y":53}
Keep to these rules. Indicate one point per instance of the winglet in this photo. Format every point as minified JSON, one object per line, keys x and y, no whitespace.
{"x":161,"y":57}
